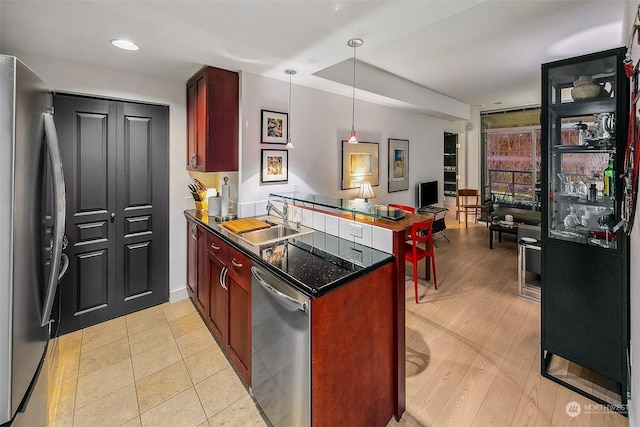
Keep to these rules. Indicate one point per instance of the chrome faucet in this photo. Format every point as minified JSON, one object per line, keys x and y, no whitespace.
{"x":284,"y":214}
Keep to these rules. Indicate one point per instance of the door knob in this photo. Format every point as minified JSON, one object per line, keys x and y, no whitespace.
{"x":113,"y":217}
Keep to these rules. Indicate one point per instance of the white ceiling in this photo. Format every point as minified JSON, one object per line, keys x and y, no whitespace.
{"x":477,"y":52}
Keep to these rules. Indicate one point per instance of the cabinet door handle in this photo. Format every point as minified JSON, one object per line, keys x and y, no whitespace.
{"x":113,"y":217}
{"x":235,"y":263}
{"x":221,"y":278}
{"x":194,"y":160}
{"x":214,"y":247}
{"x":224,"y":279}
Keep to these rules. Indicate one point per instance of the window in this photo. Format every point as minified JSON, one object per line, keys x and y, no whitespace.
{"x":511,"y":157}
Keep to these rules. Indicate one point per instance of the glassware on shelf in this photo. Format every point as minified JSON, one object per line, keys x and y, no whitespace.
{"x":571,"y":221}
{"x":609,"y":189}
{"x":605,"y":125}
{"x":603,"y":220}
{"x":593,"y":192}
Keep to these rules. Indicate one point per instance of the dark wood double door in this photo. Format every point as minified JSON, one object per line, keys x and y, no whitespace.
{"x":115,"y":159}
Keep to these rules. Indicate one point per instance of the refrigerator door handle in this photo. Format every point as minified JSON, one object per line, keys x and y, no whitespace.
{"x":60,"y":211}
{"x":65,"y":265}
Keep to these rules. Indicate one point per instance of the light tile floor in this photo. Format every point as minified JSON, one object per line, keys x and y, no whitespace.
{"x":156,"y":367}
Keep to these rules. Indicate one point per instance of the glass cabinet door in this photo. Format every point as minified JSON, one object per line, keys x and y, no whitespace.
{"x":581,"y":122}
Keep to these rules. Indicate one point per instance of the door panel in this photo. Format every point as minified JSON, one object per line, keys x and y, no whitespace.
{"x":93,"y":274}
{"x":115,"y":156}
{"x":142,"y":218}
{"x":87,"y":136}
{"x":217,"y":303}
{"x":239,"y":340}
{"x":201,"y":122}
{"x":137,"y":152}
{"x":192,"y":258}
{"x":191,"y":124}
{"x":138,"y":267}
{"x":92,"y":154}
{"x":92,"y":231}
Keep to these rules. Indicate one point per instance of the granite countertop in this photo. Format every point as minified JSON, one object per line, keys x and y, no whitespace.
{"x":314,"y":263}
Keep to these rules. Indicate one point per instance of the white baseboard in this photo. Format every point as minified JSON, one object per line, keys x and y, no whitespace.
{"x":178,"y":294}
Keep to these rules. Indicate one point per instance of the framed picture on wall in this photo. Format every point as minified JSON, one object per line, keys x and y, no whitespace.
{"x":359,"y":164}
{"x":275,"y":127}
{"x":274,"y":166}
{"x":398,"y":164}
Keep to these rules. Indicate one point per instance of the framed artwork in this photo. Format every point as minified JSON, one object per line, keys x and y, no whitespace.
{"x":359,"y":163}
{"x":398,"y":164}
{"x":274,"y":166}
{"x":275,"y":127}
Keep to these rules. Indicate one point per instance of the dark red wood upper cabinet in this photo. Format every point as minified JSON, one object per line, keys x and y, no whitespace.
{"x":213,"y":120}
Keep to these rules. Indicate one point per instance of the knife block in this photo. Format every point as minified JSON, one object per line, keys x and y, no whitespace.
{"x":202,"y":206}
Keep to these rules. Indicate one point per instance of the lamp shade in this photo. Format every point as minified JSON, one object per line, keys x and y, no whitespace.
{"x":366,"y":192}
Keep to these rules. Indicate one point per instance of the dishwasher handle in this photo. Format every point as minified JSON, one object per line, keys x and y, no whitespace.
{"x":302,"y":306}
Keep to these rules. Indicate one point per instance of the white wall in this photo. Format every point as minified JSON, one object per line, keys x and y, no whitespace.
{"x":318,"y":123}
{"x":79,"y":78}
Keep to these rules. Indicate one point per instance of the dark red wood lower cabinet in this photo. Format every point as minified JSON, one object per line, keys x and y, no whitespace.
{"x":239,"y":337}
{"x":352,"y":330}
{"x":217,"y":314}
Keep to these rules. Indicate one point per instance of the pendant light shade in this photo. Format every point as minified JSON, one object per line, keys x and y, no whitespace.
{"x":354,"y":43}
{"x":290,"y":73}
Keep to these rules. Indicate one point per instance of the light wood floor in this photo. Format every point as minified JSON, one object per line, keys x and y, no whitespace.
{"x":472,"y":358}
{"x":473,"y":345}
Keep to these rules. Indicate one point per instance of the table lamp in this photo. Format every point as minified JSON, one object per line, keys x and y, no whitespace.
{"x":366,"y":192}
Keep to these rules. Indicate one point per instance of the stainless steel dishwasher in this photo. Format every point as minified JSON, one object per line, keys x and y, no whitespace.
{"x":281,"y":346}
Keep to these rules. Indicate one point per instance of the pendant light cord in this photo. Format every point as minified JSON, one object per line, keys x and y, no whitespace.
{"x":289,"y":124}
{"x":353,"y":96}
{"x":354,"y":43}
{"x":290,"y":73}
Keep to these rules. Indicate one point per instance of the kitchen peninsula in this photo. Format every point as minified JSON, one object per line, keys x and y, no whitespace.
{"x":351,"y":310}
{"x":397,"y":225}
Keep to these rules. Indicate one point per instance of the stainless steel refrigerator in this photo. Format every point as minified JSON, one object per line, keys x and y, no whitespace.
{"x":32,"y":203}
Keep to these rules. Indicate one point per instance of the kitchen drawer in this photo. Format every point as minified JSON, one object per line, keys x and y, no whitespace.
{"x":217,"y":247}
{"x":239,"y":264}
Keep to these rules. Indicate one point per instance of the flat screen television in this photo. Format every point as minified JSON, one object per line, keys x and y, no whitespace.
{"x":426,"y":194}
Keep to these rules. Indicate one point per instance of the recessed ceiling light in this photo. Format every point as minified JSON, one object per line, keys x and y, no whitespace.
{"x":125,"y":44}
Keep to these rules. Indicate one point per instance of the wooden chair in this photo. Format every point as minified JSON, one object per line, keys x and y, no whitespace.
{"x":409,"y":209}
{"x":421,"y":232}
{"x":468,"y":201}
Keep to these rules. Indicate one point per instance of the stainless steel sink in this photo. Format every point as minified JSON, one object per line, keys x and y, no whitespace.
{"x":272,"y":234}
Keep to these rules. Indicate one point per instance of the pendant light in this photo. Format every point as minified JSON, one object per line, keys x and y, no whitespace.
{"x":289,"y":144}
{"x":354,"y":43}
